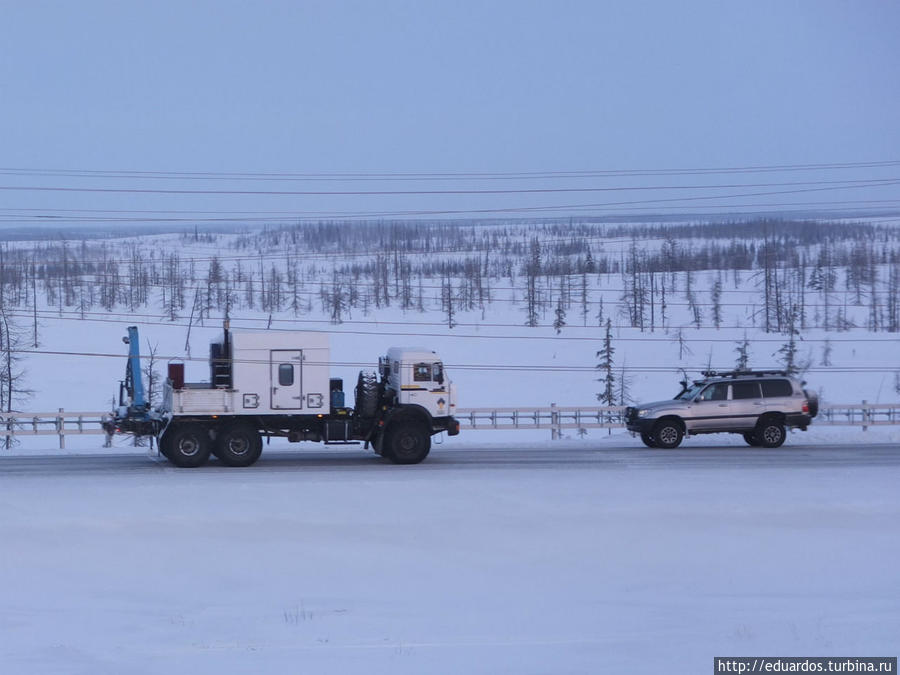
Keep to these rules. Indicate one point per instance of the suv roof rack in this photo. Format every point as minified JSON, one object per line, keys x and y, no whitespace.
{"x":744,"y":373}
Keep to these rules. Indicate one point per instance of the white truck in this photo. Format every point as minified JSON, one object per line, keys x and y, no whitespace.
{"x":268,"y":383}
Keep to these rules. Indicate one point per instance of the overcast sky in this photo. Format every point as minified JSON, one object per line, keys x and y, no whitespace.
{"x":381,"y":86}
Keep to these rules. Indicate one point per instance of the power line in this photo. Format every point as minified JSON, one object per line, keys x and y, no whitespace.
{"x":256,"y":323}
{"x":488,"y":367}
{"x":11,"y":211}
{"x":836,"y":184}
{"x":253,"y":218}
{"x":441,"y":175}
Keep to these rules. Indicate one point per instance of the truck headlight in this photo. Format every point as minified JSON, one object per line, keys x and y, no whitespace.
{"x":643,"y":412}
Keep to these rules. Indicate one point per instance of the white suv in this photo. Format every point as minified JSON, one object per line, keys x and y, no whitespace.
{"x":759,"y":404}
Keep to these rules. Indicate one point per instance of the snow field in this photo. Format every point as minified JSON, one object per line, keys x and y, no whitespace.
{"x":529,"y":561}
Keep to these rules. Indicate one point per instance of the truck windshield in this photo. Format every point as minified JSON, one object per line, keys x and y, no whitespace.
{"x":688,"y":394}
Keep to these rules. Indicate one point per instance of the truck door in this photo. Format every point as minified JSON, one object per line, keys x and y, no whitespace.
{"x":287,"y":379}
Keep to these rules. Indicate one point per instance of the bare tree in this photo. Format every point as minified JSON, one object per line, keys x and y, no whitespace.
{"x":12,"y":376}
{"x":715,"y":296}
{"x":560,"y":321}
{"x":151,"y":375}
{"x":448,"y":302}
{"x":826,"y":353}
{"x":532,"y":270}
{"x":608,"y":378}
{"x":683,"y":348}
{"x":743,"y":354}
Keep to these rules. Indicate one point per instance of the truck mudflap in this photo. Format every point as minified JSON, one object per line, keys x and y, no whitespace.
{"x":452,"y":426}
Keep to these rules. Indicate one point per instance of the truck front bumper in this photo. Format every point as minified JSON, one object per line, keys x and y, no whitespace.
{"x":448,"y":424}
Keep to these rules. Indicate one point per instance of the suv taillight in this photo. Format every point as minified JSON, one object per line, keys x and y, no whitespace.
{"x":805,"y":406}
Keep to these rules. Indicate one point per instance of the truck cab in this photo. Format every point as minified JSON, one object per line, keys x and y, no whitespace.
{"x":415,"y":376}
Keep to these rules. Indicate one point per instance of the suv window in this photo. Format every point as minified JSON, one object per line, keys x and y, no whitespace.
{"x":744,"y":390}
{"x":773,"y":388}
{"x":715,"y":392}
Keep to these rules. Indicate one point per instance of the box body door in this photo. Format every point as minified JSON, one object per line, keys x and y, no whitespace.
{"x":286,"y":367}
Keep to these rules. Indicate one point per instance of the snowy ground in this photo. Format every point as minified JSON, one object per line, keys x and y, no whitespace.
{"x":571,"y":559}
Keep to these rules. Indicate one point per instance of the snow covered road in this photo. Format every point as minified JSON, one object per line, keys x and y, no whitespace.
{"x":531,"y":560}
{"x":559,"y":455}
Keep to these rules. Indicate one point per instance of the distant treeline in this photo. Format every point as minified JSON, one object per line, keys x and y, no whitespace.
{"x":806,"y":273}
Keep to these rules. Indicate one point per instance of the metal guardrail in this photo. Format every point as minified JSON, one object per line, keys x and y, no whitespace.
{"x":555,"y":418}
{"x":561,"y":418}
{"x":60,"y":423}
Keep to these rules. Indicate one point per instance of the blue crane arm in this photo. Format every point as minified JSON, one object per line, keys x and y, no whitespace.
{"x":134,"y":415}
{"x":134,"y":384}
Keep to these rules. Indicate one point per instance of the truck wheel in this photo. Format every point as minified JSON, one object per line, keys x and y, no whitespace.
{"x":751,"y":439}
{"x":648,"y":440}
{"x":238,"y":445}
{"x":186,"y":445}
{"x":770,"y":432}
{"x":667,"y":434}
{"x":406,"y":443}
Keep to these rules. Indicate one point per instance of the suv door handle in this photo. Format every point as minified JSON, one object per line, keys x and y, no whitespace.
{"x":723,"y":405}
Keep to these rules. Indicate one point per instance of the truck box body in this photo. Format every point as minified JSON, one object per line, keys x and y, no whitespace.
{"x":272,"y":373}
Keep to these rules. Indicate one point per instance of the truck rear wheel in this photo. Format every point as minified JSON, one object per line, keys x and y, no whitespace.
{"x":186,"y":445}
{"x":238,"y":445}
{"x":406,"y":443}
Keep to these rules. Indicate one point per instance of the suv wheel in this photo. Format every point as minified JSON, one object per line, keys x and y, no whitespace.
{"x":770,"y":433}
{"x":751,"y":439}
{"x":648,"y":440}
{"x":667,"y":434}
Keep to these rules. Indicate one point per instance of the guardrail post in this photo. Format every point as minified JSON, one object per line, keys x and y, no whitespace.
{"x":555,"y":431}
{"x":865,"y":416}
{"x":61,"y":429}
